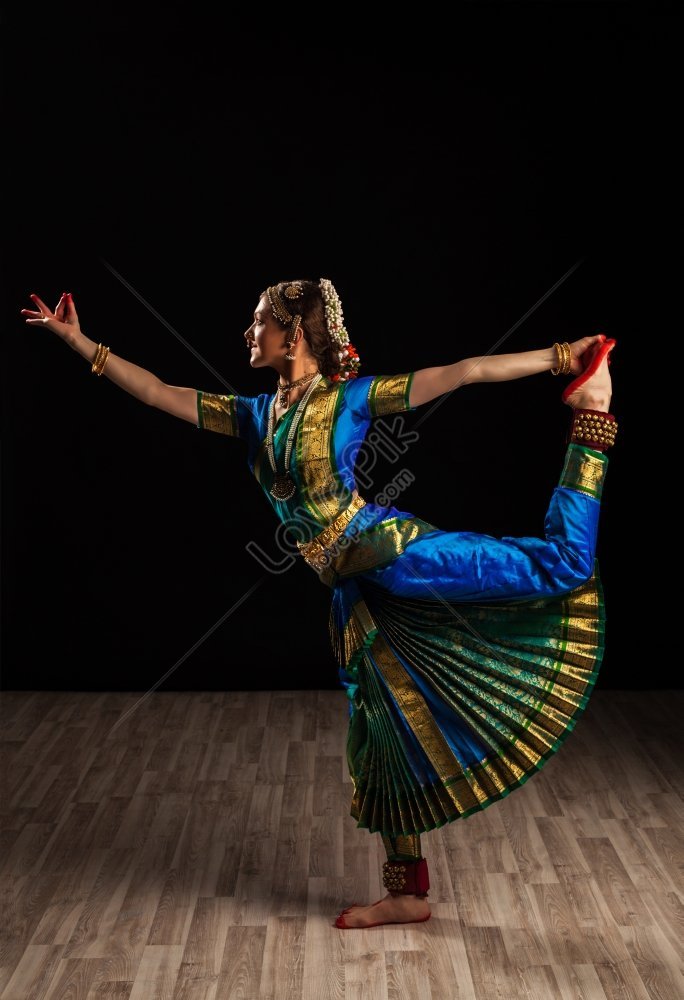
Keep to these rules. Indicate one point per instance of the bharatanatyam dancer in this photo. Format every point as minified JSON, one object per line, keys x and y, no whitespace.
{"x":466,"y":659}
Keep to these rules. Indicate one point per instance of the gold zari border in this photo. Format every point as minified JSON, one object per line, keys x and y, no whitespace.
{"x":315,"y":460}
{"x":380,"y":544}
{"x":584,"y":471}
{"x":389,"y":394}
{"x":219,"y":413}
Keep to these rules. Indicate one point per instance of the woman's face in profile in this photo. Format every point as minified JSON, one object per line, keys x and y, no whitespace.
{"x":265,"y":338}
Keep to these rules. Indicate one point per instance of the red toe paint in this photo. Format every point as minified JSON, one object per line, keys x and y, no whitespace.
{"x":598,"y":353}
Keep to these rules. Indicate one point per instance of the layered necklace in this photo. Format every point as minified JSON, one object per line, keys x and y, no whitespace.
{"x":283,"y":485}
{"x":284,"y":388}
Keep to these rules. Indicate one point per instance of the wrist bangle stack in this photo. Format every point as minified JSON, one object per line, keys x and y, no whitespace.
{"x":593,"y":429}
{"x":564,"y":358}
{"x":100,"y":360}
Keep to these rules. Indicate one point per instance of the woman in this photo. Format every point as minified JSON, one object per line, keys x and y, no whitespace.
{"x":467,"y":659}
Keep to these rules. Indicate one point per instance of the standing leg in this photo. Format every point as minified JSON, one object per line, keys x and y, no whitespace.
{"x":405,"y":876}
{"x":473,"y":566}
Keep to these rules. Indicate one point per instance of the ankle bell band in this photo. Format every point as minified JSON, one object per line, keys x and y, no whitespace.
{"x":408,"y":877}
{"x":593,"y":429}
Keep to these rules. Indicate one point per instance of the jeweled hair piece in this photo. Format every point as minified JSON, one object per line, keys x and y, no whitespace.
{"x":292,"y":292}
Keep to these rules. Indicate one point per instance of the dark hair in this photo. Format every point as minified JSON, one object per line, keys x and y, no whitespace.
{"x":312,"y":310}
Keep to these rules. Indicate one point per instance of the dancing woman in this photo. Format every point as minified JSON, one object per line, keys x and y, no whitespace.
{"x":466,"y":659}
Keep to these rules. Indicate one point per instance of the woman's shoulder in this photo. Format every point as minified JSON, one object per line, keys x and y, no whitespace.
{"x":376,"y":395}
{"x":254,"y":408}
{"x":360,"y":383}
{"x":354,"y":394}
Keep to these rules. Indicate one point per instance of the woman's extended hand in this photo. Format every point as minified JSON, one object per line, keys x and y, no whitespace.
{"x":63,"y":321}
{"x":580,"y":347}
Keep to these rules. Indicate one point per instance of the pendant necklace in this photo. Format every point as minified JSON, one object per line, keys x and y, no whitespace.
{"x":283,"y":484}
{"x":284,"y":390}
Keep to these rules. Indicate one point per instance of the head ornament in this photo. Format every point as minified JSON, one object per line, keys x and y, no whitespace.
{"x":285,"y":296}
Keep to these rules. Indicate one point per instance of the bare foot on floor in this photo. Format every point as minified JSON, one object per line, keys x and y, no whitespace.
{"x":400,"y":909}
{"x":596,"y":392}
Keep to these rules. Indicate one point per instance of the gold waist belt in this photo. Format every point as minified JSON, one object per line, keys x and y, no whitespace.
{"x":315,"y":552}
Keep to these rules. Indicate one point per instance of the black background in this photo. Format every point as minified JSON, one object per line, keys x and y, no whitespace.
{"x":445,"y":177}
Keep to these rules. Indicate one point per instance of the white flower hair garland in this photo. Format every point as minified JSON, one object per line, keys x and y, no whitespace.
{"x":346,"y":352}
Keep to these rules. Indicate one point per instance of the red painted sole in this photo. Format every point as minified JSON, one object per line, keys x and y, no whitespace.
{"x":342,"y":924}
{"x":600,"y":352}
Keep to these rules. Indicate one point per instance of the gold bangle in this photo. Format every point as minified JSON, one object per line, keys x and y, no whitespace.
{"x":104,"y":361}
{"x":564,"y":359}
{"x":97,"y":358}
{"x":100,"y":359}
{"x":568,"y":359}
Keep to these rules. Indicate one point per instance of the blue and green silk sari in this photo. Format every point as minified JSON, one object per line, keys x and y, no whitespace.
{"x":466,"y":659}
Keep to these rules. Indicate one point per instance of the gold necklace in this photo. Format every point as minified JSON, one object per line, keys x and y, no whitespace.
{"x":283,"y":485}
{"x":284,"y":388}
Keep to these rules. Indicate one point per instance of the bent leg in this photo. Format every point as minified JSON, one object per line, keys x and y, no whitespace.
{"x":467,"y":566}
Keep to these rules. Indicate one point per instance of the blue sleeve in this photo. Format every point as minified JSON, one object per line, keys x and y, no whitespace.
{"x":377,"y":395}
{"x":226,"y":414}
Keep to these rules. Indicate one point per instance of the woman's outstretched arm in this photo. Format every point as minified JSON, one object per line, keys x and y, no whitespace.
{"x":428,"y":383}
{"x":176,"y":400}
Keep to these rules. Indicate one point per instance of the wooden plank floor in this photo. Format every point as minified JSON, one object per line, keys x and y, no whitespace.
{"x":202,"y":849}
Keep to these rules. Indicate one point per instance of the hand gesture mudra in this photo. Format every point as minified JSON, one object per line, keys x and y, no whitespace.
{"x":63,"y":321}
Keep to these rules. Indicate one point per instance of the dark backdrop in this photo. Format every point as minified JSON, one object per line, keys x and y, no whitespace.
{"x":445,"y":188}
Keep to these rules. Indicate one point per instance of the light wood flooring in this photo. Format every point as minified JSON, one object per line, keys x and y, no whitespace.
{"x":201,"y":850}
